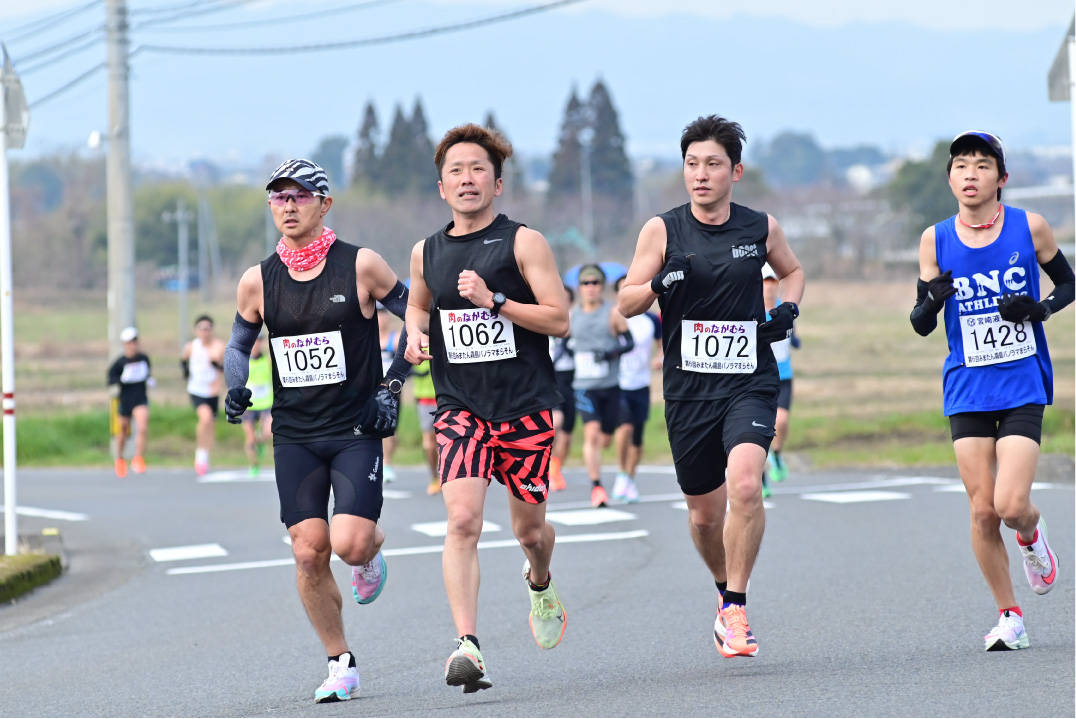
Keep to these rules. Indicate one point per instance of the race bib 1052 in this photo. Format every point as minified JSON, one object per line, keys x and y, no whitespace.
{"x":305,"y":360}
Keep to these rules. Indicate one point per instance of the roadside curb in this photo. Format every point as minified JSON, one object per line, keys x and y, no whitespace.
{"x":41,"y":560}
{"x":40,"y":569}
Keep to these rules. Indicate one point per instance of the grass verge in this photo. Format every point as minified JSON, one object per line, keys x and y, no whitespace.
{"x":893,"y":439}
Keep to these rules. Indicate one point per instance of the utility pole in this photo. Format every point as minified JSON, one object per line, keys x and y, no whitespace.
{"x":181,"y":217}
{"x":14,"y":118}
{"x":121,"y":256}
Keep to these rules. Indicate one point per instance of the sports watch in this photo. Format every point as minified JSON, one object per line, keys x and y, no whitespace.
{"x":394,"y":385}
{"x":498,"y":302}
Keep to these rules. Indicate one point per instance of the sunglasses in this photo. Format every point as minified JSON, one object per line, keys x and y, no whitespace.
{"x":584,"y":283}
{"x":301,"y":197}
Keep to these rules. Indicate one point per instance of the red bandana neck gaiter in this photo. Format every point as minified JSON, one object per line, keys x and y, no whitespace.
{"x":308,"y":257}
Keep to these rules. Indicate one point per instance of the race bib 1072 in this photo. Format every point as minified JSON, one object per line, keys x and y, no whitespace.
{"x":477,"y":336}
{"x":718,"y":347}
{"x":304,"y":360}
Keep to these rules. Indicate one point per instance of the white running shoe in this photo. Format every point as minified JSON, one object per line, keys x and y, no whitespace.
{"x":1008,"y":634}
{"x":388,"y":474}
{"x":631,"y":492}
{"x":620,"y":485}
{"x":1040,"y":562}
{"x":342,"y":684}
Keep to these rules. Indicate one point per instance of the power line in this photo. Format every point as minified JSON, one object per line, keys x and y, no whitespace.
{"x":53,"y":60}
{"x":277,"y":20}
{"x":64,"y":88}
{"x":363,"y":42}
{"x":193,"y":11}
{"x":47,"y":23}
{"x":93,"y":34}
{"x":168,"y":8}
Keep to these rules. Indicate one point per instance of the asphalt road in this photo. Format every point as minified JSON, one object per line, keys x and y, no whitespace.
{"x":867,"y":604}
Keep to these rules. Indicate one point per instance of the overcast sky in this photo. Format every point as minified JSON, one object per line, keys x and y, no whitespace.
{"x":882,"y":73}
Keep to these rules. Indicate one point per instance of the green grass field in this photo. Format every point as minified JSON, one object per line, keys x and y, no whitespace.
{"x":867,"y":388}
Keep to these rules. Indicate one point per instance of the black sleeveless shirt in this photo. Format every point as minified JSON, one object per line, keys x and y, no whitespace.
{"x":725,"y":284}
{"x":326,"y":304}
{"x":499,"y":390}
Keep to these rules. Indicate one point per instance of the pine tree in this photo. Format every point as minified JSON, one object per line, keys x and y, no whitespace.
{"x":564,"y":177}
{"x":394,"y":168}
{"x":423,"y":171}
{"x":610,"y":169}
{"x":364,"y":166}
{"x":512,"y":172}
{"x":330,"y":155}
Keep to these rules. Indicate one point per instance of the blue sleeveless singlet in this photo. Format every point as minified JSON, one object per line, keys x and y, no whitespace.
{"x":981,"y":275}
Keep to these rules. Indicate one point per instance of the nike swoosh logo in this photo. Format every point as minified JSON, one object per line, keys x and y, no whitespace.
{"x":756,"y":424}
{"x":488,"y":242}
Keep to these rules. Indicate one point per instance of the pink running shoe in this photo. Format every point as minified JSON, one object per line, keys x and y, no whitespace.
{"x":367,"y":580}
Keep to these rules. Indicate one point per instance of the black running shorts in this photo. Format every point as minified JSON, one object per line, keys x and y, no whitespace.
{"x":702,"y":433}
{"x":635,"y":410}
{"x":599,"y":405}
{"x":784,"y":399}
{"x":1023,"y":421}
{"x":564,"y":384}
{"x":305,"y":472}
{"x":212,"y":402}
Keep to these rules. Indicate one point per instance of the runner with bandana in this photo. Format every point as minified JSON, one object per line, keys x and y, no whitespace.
{"x":331,"y":403}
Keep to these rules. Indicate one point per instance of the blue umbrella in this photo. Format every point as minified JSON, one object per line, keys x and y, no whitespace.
{"x":613,"y":272}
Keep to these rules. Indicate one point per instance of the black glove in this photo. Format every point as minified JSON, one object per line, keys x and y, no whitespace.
{"x":676,"y":269}
{"x":380,"y":413}
{"x":939,"y":290}
{"x":779,"y":326}
{"x":236,"y":403}
{"x":1017,"y":308}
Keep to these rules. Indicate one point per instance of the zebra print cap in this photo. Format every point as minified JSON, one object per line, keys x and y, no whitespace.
{"x":304,"y":172}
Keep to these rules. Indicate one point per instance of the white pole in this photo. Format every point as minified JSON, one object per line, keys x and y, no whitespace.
{"x":7,"y":344}
{"x":1072,"y":104}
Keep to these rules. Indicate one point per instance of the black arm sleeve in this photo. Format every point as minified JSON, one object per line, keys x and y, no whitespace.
{"x":396,"y":300}
{"x":237,"y":353}
{"x":923,"y":319}
{"x":400,"y":367}
{"x":1060,"y":271}
{"x":627,"y":342}
{"x":115,"y":372}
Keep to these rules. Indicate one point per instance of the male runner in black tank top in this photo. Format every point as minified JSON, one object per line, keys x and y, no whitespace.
{"x":316,"y":296}
{"x":485,"y":296}
{"x":703,"y":261}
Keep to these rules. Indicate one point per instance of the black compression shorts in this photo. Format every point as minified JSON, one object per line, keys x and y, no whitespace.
{"x":1023,"y":421}
{"x":306,"y":471}
{"x":635,"y":410}
{"x":784,"y":399}
{"x":599,"y":405}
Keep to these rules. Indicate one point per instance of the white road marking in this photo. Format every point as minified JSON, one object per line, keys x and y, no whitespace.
{"x":958,"y":487}
{"x":194,"y":551}
{"x":49,"y":513}
{"x":848,"y":497}
{"x":396,"y":494}
{"x":583,"y":517}
{"x":237,"y":475}
{"x":406,"y":551}
{"x":440,"y":529}
{"x":880,"y":483}
{"x":683,"y":505}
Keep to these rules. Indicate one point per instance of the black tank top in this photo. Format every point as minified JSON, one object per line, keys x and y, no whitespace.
{"x":499,"y":390}
{"x":300,"y":317}
{"x":725,"y":284}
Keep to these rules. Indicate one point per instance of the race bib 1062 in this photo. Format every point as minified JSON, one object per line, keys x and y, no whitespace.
{"x":305,"y":360}
{"x":988,"y":339}
{"x":477,"y":336}
{"x":718,"y":347}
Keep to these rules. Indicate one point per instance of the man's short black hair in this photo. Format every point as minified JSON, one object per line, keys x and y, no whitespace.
{"x":203,"y":318}
{"x":724,"y":132}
